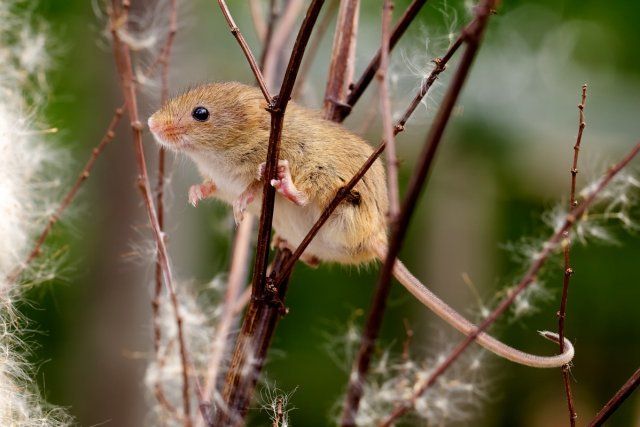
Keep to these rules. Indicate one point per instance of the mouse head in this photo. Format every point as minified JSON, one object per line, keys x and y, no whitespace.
{"x":205,"y":118}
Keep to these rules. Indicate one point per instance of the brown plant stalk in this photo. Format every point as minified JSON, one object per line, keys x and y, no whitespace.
{"x":385,"y":113}
{"x":122,"y":55}
{"x":568,"y":270}
{"x":618,"y":399}
{"x":265,"y":307}
{"x":529,"y":277}
{"x":343,"y":55}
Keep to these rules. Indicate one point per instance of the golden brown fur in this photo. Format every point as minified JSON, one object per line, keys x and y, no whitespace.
{"x":322,"y":155}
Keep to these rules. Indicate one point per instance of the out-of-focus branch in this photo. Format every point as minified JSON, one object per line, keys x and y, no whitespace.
{"x":568,"y":271}
{"x":363,"y":82}
{"x":343,"y":53}
{"x":385,"y":113}
{"x":274,"y":63}
{"x":618,"y":399}
{"x":314,"y":45}
{"x":472,"y":37}
{"x":70,"y":196}
{"x":529,"y":277}
{"x":268,"y":34}
{"x":259,"y":25}
{"x":118,"y":17}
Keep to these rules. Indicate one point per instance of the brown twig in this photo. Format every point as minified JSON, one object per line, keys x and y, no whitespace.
{"x":122,"y":57}
{"x":245,"y":49}
{"x":69,"y":197}
{"x":529,"y":277}
{"x":472,"y":37}
{"x":344,"y":191}
{"x":568,"y":271}
{"x":266,"y":301}
{"x":341,"y":67}
{"x":268,"y":37}
{"x":361,"y":85}
{"x":385,"y":112}
{"x":618,"y":399}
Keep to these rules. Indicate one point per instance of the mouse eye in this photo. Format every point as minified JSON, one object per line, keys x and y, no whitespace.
{"x":201,"y":114}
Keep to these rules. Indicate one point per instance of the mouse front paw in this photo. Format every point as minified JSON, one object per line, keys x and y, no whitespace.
{"x":201,"y":191}
{"x":284,"y":183}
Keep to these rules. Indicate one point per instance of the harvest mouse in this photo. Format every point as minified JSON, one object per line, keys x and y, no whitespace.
{"x":224,"y":128}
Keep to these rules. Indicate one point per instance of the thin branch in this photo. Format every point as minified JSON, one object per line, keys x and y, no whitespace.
{"x":473,"y":36}
{"x":125,"y":70}
{"x":568,"y":271}
{"x":342,"y":65}
{"x":274,"y":62}
{"x":618,"y":399}
{"x":69,"y":197}
{"x":237,"y":279}
{"x":259,"y":25}
{"x":529,"y":277}
{"x":398,"y":31}
{"x":385,"y":113}
{"x":344,"y":191}
{"x":246,"y":50}
{"x":268,"y":37}
{"x":266,"y":302}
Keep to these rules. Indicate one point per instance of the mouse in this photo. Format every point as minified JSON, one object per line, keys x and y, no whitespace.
{"x":224,"y":128}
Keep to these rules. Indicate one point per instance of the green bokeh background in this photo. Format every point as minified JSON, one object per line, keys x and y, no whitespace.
{"x":503,"y":163}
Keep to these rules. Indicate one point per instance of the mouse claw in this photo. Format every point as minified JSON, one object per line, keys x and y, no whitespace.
{"x":201,"y":191}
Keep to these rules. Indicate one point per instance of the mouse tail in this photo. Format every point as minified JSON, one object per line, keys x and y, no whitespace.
{"x":452,"y":317}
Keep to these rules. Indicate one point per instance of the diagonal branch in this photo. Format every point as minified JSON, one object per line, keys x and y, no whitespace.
{"x":246,"y":50}
{"x":473,"y":35}
{"x":529,"y":277}
{"x":69,"y":197}
{"x":440,"y":66}
{"x":618,"y":399}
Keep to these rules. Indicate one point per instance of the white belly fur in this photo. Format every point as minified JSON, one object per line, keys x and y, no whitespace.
{"x":291,"y":222}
